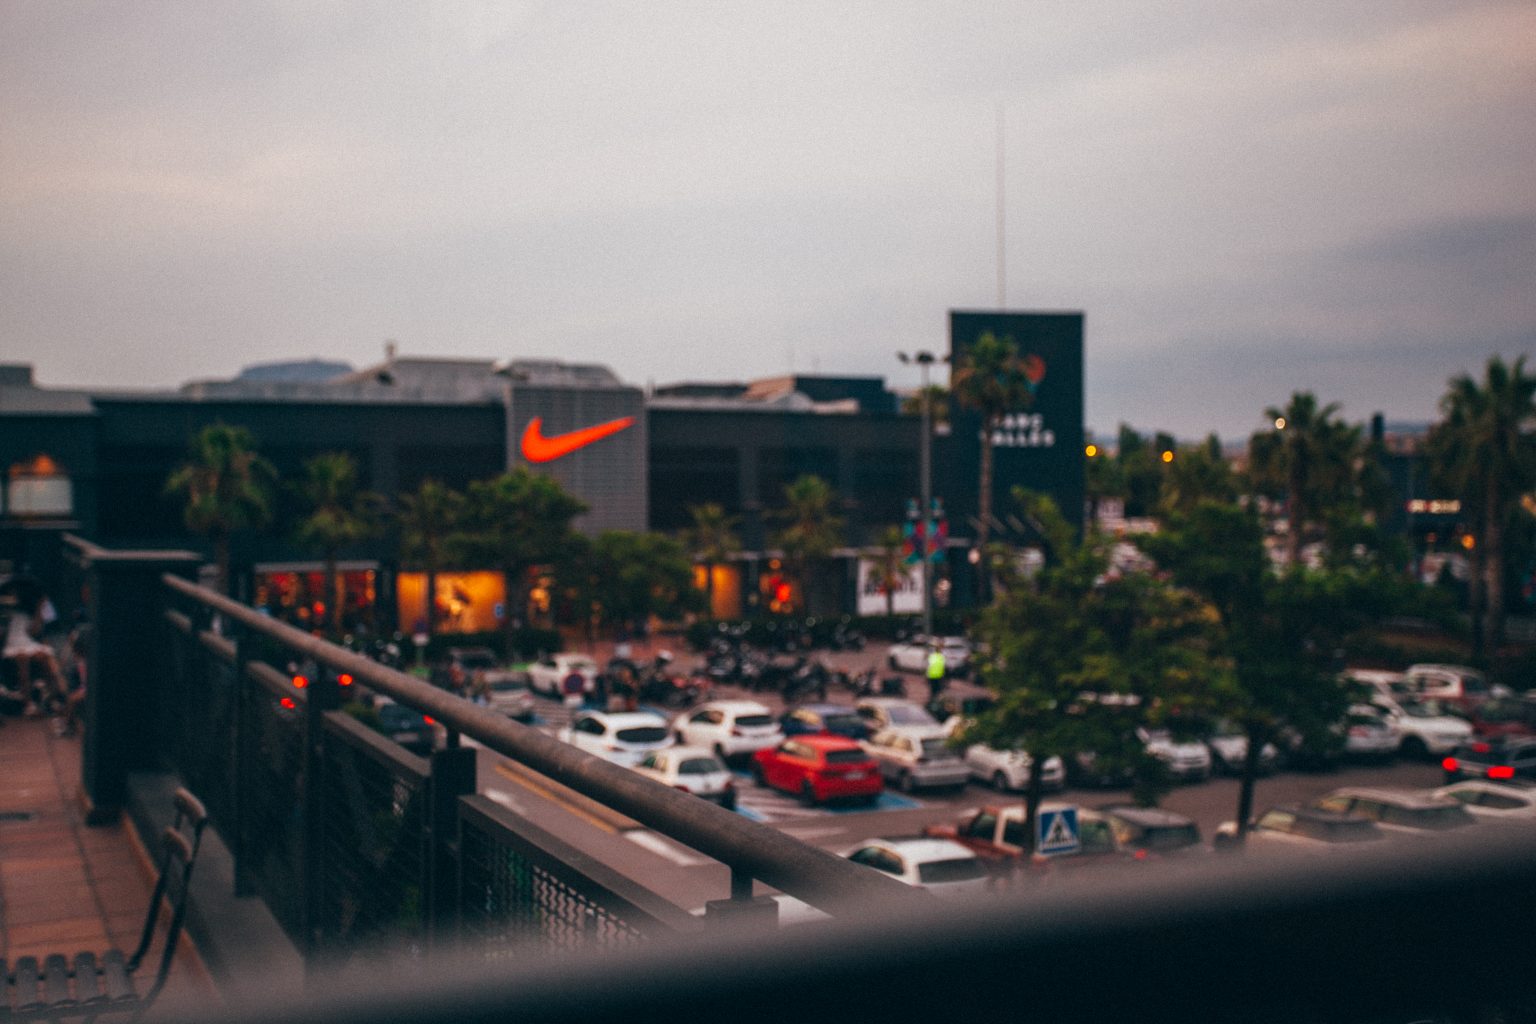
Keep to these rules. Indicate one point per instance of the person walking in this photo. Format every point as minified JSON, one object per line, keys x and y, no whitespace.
{"x":936,"y":672}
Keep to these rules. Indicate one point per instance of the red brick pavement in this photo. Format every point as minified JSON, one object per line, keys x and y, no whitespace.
{"x":67,"y":887}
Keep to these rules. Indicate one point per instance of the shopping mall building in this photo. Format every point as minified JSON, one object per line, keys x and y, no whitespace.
{"x":95,"y":463}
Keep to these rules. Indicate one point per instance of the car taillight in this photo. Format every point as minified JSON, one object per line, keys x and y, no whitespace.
{"x":429,"y":719}
{"x":345,"y":679}
{"x":1480,"y":748}
{"x":288,"y":703}
{"x":1501,"y":771}
{"x":299,"y":682}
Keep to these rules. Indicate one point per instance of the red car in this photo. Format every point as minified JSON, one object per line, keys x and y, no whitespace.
{"x":819,"y":768}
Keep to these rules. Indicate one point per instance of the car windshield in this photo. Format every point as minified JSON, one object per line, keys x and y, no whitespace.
{"x":960,"y":869}
{"x":398,"y":716}
{"x":508,"y":685}
{"x":1434,"y":818}
{"x":1423,"y":709}
{"x":643,"y":734}
{"x":699,"y":766}
{"x":754,"y":721}
{"x":846,"y":757}
{"x":905,"y":714}
{"x":844,"y":723}
{"x":1339,"y":830}
{"x":936,"y":748}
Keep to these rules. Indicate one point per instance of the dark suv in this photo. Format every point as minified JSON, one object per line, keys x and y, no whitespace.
{"x":1497,"y":758}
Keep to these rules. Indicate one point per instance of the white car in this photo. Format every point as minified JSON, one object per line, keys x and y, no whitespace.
{"x":1495,"y":801}
{"x":1007,"y":770}
{"x":917,"y":758}
{"x":1368,"y":733}
{"x":1228,"y":745}
{"x":693,"y":770}
{"x":887,"y":712}
{"x":1406,"y":811}
{"x":548,"y":674}
{"x":623,"y":738}
{"x":941,"y":866}
{"x":1425,"y":728}
{"x":911,"y":655}
{"x":731,"y":728}
{"x":1186,"y":759}
{"x":1454,"y":684}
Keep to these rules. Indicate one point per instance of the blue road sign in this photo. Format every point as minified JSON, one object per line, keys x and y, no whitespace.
{"x":1056,"y":832}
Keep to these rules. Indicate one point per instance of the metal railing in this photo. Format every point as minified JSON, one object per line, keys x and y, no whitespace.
{"x":355,"y":843}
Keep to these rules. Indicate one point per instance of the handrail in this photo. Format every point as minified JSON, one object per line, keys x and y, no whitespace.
{"x":808,"y":873}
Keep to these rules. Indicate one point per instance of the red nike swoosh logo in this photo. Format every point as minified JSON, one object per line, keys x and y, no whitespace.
{"x":538,"y":448}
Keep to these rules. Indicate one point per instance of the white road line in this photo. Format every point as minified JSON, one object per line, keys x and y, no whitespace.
{"x":662,"y":848}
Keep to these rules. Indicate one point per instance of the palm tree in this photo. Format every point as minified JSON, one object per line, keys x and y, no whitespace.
{"x":227,"y":486}
{"x":812,"y":527}
{"x":340,"y":513}
{"x":710,"y":538}
{"x":428,"y":519}
{"x":891,"y":568}
{"x":990,"y":380}
{"x":1309,"y":458}
{"x":1485,"y":452}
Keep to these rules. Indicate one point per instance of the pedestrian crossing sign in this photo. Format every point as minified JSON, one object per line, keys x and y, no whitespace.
{"x":1056,"y":832}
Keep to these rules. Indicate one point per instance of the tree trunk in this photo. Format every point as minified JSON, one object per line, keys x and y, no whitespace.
{"x":1493,"y":569}
{"x":1249,"y":777}
{"x":431,"y":611}
{"x":333,"y":595}
{"x":1034,"y":791}
{"x":709,"y":589}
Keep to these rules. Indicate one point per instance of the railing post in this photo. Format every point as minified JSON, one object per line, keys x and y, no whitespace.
{"x":453,"y":775}
{"x":742,"y":909}
{"x":240,"y":803}
{"x":123,"y":705}
{"x":321,"y":696}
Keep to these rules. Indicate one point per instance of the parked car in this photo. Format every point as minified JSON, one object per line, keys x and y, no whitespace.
{"x":1456,"y":685}
{"x":1006,"y":770}
{"x":824,"y":719}
{"x":819,"y":768}
{"x":1502,"y":716}
{"x":1511,"y":800}
{"x":885,"y":712}
{"x":508,"y":693}
{"x":461,"y":666}
{"x":406,"y":726}
{"x":1426,"y":729}
{"x":730,"y":728}
{"x":1507,"y":757}
{"x":548,"y":674}
{"x":938,"y":865}
{"x":996,"y":834}
{"x":1228,"y":746}
{"x":917,"y":758}
{"x":1303,"y":830}
{"x":693,"y":770}
{"x":1186,"y":760}
{"x":911,"y":655}
{"x":1398,"y":810}
{"x":1369,"y":734}
{"x":621,"y":737}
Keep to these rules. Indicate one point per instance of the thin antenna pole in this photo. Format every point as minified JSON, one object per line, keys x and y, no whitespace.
{"x":1002,"y":251}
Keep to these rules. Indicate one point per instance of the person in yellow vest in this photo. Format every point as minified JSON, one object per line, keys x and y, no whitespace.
{"x":936,"y":672}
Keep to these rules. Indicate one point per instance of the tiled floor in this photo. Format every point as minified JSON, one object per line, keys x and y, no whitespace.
{"x":66,"y":886}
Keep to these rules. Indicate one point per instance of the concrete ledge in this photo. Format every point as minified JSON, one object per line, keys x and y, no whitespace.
{"x":245,"y":949}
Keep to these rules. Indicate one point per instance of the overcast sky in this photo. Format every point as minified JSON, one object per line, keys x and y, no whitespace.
{"x":1244,"y":199}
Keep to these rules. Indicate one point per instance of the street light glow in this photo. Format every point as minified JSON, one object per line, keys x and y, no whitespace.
{"x":1279,"y":422}
{"x":1091,"y":451}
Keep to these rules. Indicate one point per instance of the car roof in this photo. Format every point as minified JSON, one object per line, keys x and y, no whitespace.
{"x":688,"y":751}
{"x":917,"y":732}
{"x":1148,"y":817}
{"x":1401,"y":796}
{"x":923,"y":848}
{"x":886,"y":702}
{"x":822,"y":709}
{"x":751,"y":707}
{"x":1312,"y":813}
{"x":623,"y":718}
{"x":828,"y":742}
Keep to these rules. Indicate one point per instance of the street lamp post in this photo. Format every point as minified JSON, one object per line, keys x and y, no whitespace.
{"x":924,"y":360}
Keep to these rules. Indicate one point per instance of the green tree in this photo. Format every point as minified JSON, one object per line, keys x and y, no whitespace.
{"x":1484,"y":450}
{"x":891,"y":568}
{"x":1103,"y":479}
{"x":340,"y":512}
{"x":1281,"y":631}
{"x":428,"y":521}
{"x":812,"y":529}
{"x":711,"y":539}
{"x":515,"y":523}
{"x":990,"y":380}
{"x":1077,"y":656}
{"x":938,"y":403}
{"x":1197,"y":473}
{"x":227,"y":487}
{"x":1308,"y":460}
{"x":627,"y":578}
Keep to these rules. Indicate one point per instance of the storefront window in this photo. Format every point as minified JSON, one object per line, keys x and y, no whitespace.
{"x":37,"y":488}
